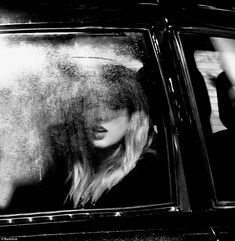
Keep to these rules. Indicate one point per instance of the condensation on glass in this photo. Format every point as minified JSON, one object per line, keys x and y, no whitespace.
{"x":52,"y":90}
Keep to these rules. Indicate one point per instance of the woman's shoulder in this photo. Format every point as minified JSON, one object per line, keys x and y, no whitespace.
{"x":147,"y":183}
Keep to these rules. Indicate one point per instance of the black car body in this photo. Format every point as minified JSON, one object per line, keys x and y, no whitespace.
{"x":200,"y":206}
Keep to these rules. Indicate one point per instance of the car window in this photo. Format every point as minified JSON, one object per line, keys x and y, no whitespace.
{"x":210,"y":61}
{"x":80,"y":127}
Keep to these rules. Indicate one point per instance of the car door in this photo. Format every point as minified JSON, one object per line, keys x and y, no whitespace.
{"x":205,"y":46}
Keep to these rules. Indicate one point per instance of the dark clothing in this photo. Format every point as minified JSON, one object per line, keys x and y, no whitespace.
{"x":221,"y":143}
{"x":220,"y":148}
{"x":147,"y":183}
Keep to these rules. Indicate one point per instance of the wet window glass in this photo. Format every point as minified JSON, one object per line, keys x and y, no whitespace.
{"x":78,"y":128}
{"x":211,"y":67}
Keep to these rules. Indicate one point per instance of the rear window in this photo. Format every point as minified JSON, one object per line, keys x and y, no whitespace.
{"x":80,"y":123}
{"x":210,"y":62}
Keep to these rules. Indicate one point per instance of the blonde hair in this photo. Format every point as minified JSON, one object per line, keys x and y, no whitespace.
{"x":87,"y":183}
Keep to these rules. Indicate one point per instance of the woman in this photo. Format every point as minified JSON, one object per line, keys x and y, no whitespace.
{"x":109,"y":133}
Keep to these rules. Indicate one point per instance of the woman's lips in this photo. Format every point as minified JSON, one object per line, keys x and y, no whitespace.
{"x":99,"y":129}
{"x":99,"y":132}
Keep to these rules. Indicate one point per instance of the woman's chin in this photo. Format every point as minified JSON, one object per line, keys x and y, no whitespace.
{"x":100,"y":143}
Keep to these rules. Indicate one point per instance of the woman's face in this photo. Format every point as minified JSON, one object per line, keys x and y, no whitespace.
{"x":106,"y":127}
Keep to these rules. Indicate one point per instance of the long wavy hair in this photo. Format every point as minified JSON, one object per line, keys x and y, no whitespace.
{"x":115,"y":87}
